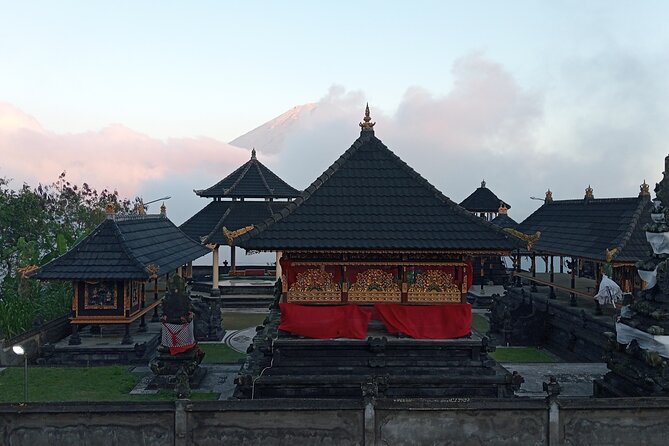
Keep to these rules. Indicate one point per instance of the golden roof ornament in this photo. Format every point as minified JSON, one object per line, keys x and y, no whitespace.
{"x":589,"y":195}
{"x":109,"y":209}
{"x":644,"y":189}
{"x":367,"y":125}
{"x":502,"y":208}
{"x":163,"y":210}
{"x":549,"y":196}
{"x":530,"y":239}
{"x":232,"y":235}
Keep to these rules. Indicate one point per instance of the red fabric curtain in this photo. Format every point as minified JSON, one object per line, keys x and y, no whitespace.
{"x":427,"y":321}
{"x":324,"y":322}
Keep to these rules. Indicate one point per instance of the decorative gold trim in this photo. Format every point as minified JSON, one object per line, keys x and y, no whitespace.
{"x":610,"y":254}
{"x":230,"y":236}
{"x":527,"y":238}
{"x":372,"y":263}
{"x":89,"y":306}
{"x":26,"y":271}
{"x":152,"y":270}
{"x":374,"y":285}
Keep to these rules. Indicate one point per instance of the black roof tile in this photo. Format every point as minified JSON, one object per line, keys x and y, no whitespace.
{"x":587,"y":228}
{"x":504,"y":221}
{"x":122,"y":248}
{"x":251,"y":180}
{"x":483,"y":200}
{"x":370,"y":199}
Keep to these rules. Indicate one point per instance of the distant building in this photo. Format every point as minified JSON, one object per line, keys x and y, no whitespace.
{"x":484,"y":203}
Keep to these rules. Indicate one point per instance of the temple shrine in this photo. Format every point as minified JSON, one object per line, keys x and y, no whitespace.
{"x":371,"y":250}
{"x":484,"y":203}
{"x":111,"y":268}
{"x":249,"y":195}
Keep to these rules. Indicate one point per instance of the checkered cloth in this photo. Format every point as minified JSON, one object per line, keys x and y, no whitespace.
{"x":178,"y":337}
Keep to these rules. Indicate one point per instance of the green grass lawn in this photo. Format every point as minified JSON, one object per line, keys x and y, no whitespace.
{"x":522,"y":354}
{"x":112,"y":383}
{"x":480,"y":323}
{"x":220,"y":354}
{"x":239,"y":321}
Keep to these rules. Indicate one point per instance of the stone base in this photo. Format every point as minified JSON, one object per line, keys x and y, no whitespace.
{"x":169,"y":381}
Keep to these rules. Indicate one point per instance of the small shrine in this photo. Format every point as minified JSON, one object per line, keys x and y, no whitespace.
{"x":247,"y":196}
{"x":638,"y":354}
{"x":484,"y":203}
{"x":371,"y":250}
{"x":111,"y":268}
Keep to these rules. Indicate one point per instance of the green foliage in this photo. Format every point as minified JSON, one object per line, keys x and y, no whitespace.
{"x":220,"y":354}
{"x":111,"y":383}
{"x":36,"y":226}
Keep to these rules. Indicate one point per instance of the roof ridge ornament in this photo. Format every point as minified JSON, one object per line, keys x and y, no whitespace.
{"x":549,"y":196}
{"x":253,"y":153}
{"x":644,"y":189}
{"x":502,"y":208}
{"x":482,"y":183}
{"x":589,"y":195}
{"x":367,"y":125}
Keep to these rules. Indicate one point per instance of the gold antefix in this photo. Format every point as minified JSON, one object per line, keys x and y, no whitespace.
{"x":232,"y":235}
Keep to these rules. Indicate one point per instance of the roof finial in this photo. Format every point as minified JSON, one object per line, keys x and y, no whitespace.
{"x":367,"y":125}
{"x":163,"y":210}
{"x":109,"y":209}
{"x":589,"y":195}
{"x":502,"y":208}
{"x":253,"y":153}
{"x":549,"y":196}
{"x":482,"y":183}
{"x":644,"y":189}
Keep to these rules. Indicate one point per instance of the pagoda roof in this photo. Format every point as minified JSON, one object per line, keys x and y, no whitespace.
{"x":483,"y":200}
{"x":588,"y":227}
{"x":207,"y":225}
{"x":251,"y":180}
{"x":504,"y":221}
{"x":122,"y":248}
{"x":370,"y":199}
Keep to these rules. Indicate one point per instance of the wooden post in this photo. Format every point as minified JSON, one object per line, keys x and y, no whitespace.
{"x":215,"y":291}
{"x":534,"y":271}
{"x":574,"y":267}
{"x":518,"y":268}
{"x":482,"y":272}
{"x":598,"y":280}
{"x":278,"y":265}
{"x":561,"y":264}
{"x":155,"y":317}
{"x":552,"y":292}
{"x":233,"y":265}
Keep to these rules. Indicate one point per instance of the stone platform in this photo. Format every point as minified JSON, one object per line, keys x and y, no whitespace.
{"x":105,"y":348}
{"x":284,"y":366}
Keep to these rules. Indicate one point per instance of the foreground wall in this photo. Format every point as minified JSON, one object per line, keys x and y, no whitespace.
{"x":336,"y":422}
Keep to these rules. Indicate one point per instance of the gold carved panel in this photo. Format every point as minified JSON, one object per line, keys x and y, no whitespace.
{"x":374,"y":285}
{"x":314,"y":286}
{"x":434,"y":286}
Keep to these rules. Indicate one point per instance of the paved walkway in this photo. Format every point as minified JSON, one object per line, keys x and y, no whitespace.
{"x":575,"y":379}
{"x":239,"y":340}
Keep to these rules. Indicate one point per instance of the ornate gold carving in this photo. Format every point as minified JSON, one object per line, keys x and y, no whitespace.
{"x":153,"y":270}
{"x":644,"y":189}
{"x":314,"y":285}
{"x":610,"y":254}
{"x":367,"y":125}
{"x":232,"y":235}
{"x":529,"y":239}
{"x":434,"y":286}
{"x":549,"y":196}
{"x":375,"y":285}
{"x":589,"y":193}
{"x":27,"y":270}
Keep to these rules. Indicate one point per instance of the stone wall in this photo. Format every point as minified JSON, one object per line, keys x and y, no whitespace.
{"x":34,"y":340}
{"x":564,"y":421}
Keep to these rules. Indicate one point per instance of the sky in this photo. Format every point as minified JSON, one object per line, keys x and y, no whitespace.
{"x":145,"y":97}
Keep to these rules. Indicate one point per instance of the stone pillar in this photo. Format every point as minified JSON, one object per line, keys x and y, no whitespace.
{"x":534,"y":272}
{"x":278,"y":264}
{"x":215,"y":291}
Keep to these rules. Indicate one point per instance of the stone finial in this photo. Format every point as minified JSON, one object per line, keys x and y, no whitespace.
{"x":163,"y":210}
{"x":109,"y":209}
{"x":549,"y":196}
{"x":502,"y":208}
{"x":139,"y":207}
{"x":253,"y":153}
{"x":644,"y":189}
{"x":367,"y":125}
{"x":482,"y":183}
{"x":589,"y":195}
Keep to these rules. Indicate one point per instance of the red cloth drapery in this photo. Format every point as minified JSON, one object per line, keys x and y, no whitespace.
{"x":324,"y":322}
{"x":350,"y":321}
{"x":427,"y":321}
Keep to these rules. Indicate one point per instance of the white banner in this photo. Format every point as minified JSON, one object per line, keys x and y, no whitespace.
{"x":659,"y":241}
{"x":659,"y":344}
{"x":650,"y":277}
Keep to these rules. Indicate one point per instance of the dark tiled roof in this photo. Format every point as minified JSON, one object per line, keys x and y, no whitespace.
{"x":587,"y":228}
{"x":122,"y":248}
{"x":207,"y":225}
{"x":371,"y":199}
{"x":252,"y":180}
{"x":483,"y":200}
{"x":504,"y":221}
